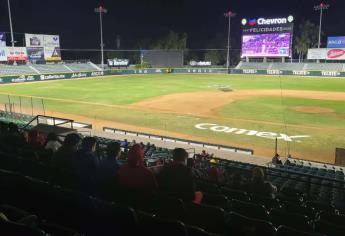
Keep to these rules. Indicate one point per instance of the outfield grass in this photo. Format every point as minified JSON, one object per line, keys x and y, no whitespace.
{"x":274,"y":114}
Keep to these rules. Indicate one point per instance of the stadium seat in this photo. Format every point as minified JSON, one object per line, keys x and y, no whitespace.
{"x":322,"y":227}
{"x":296,"y":221}
{"x":207,"y":187}
{"x":237,"y":224}
{"x":209,"y":218}
{"x":107,"y":218}
{"x":217,"y":200}
{"x":168,"y":208}
{"x":287,"y":231}
{"x":319,"y":206}
{"x":156,"y":226}
{"x":332,"y":218}
{"x":14,"y":229}
{"x":196,"y":231}
{"x":235,"y":194}
{"x":292,"y":207}
{"x":269,"y":203}
{"x":247,"y":209}
{"x":56,"y":229}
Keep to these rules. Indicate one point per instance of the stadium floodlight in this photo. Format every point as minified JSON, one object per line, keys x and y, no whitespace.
{"x":229,"y":14}
{"x":101,"y":10}
{"x":321,"y":7}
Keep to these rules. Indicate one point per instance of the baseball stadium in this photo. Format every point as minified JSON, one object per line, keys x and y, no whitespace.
{"x":259,"y":133}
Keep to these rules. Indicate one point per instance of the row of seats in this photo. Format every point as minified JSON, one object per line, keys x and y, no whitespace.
{"x":83,"y":213}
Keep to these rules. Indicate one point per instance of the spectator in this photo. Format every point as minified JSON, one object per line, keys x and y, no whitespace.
{"x":86,"y":160}
{"x":63,"y":158}
{"x":214,"y":174}
{"x":237,"y":181}
{"x":109,"y":165}
{"x":276,"y":160}
{"x":52,"y":143}
{"x":176,"y":179}
{"x":258,"y":185}
{"x":134,"y":175}
{"x":14,"y":139}
{"x":195,"y":171}
{"x":35,"y":139}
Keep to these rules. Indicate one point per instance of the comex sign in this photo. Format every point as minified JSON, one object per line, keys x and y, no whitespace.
{"x":267,"y":135}
{"x":269,"y":21}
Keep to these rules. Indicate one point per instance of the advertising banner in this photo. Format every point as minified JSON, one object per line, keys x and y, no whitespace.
{"x":52,"y":54}
{"x":326,"y":54}
{"x":3,"y":54}
{"x":34,"y":40}
{"x":336,"y":42}
{"x":316,"y":53}
{"x":2,"y":39}
{"x":118,"y":62}
{"x":335,"y":54}
{"x":51,"y":41}
{"x":16,"y":54}
{"x":200,"y":63}
{"x":35,"y":53}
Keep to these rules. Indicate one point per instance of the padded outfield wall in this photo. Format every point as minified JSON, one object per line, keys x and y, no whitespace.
{"x":57,"y":76}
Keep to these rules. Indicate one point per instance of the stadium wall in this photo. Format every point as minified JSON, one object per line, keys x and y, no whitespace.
{"x":58,"y":76}
{"x":289,"y":72}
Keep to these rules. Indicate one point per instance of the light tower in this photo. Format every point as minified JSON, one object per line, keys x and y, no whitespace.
{"x":101,"y":10}
{"x":321,"y":7}
{"x":229,"y":14}
{"x":10,"y":19}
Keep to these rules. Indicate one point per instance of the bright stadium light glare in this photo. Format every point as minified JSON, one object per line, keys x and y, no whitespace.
{"x":101,"y":10}
{"x":229,"y":14}
{"x":321,"y":7}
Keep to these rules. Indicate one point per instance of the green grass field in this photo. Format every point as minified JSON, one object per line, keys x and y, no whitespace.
{"x":111,"y":98}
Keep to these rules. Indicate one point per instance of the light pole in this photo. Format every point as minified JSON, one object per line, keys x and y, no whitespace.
{"x":322,"y":6}
{"x":229,"y":14}
{"x":10,"y":18}
{"x":11,"y":28}
{"x":101,"y":10}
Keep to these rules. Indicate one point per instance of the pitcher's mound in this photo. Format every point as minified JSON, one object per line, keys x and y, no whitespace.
{"x":313,"y":109}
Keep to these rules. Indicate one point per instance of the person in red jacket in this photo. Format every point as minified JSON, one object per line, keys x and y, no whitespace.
{"x":134,"y":175}
{"x":35,"y":138}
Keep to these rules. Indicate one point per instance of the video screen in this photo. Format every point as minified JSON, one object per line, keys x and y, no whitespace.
{"x":266,"y":45}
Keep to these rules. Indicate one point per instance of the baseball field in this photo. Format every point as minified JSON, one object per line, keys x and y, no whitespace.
{"x":305,"y":114}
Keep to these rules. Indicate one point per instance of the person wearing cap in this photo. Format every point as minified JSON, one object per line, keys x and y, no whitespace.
{"x":133,"y":175}
{"x":213,"y":171}
{"x":176,"y":179}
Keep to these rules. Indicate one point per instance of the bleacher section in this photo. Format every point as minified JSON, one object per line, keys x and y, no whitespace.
{"x":286,"y":66}
{"x":310,"y":200}
{"x":291,"y":66}
{"x":324,"y":66}
{"x":16,"y":70}
{"x":77,"y":67}
{"x":47,"y":68}
{"x":51,"y":68}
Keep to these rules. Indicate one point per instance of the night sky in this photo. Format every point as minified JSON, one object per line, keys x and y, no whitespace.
{"x":78,"y":25}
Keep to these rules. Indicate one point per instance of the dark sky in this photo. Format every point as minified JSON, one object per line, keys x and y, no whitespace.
{"x":78,"y":25}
